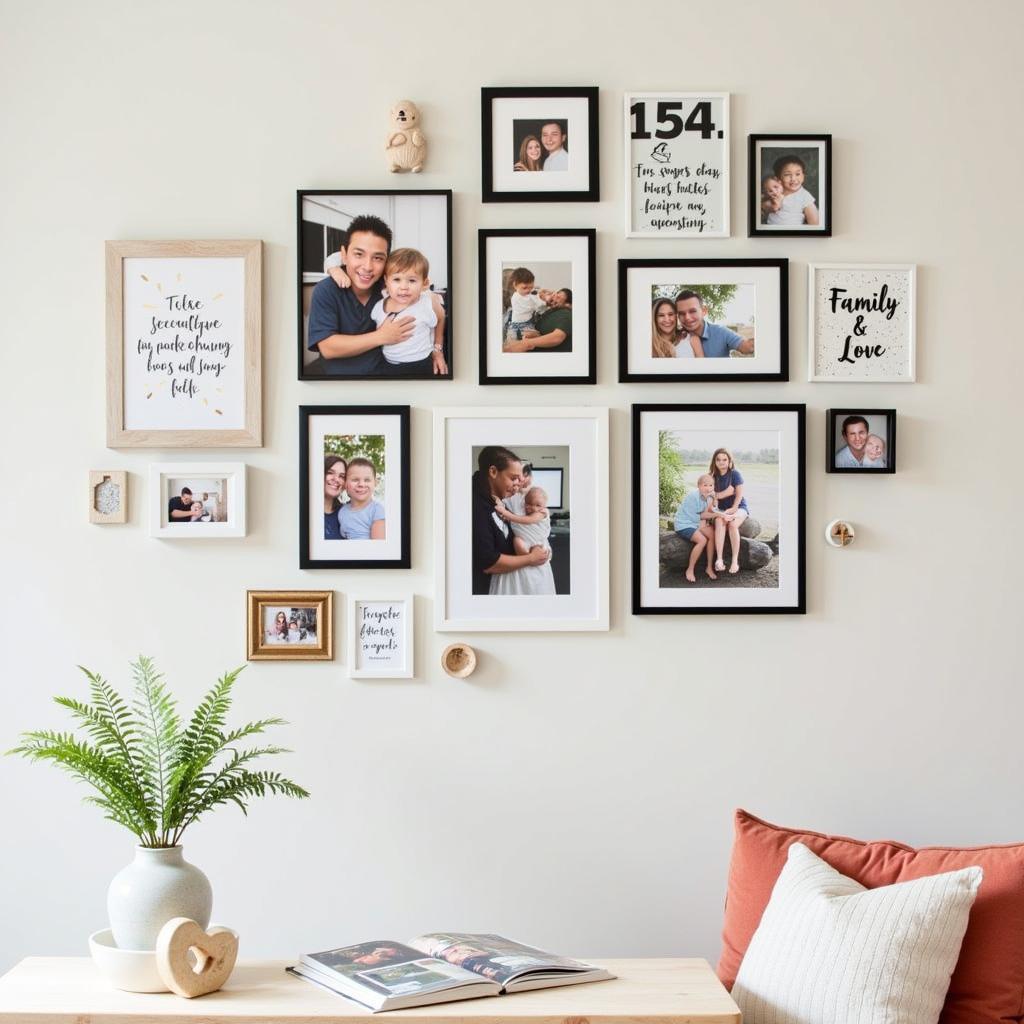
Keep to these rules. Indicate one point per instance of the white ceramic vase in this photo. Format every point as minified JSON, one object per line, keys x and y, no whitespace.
{"x":158,"y":885}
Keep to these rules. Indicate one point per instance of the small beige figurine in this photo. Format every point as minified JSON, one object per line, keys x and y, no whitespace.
{"x":407,"y":145}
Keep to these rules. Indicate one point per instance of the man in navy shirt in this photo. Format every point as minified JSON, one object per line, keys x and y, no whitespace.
{"x":715,"y":340}
{"x":340,"y":327}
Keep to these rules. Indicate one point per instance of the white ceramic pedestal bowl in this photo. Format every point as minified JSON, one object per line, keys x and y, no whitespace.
{"x":133,"y":970}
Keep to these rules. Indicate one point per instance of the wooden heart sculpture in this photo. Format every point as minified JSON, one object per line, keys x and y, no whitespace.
{"x":193,"y":962}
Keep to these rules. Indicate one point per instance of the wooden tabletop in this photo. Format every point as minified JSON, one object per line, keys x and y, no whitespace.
{"x":70,"y":990}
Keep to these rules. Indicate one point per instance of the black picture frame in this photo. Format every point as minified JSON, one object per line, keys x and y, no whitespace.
{"x":590,"y":234}
{"x":304,"y":247}
{"x":833,"y":419}
{"x":754,"y":227}
{"x":628,"y":376}
{"x":306,"y":412}
{"x":799,"y":607}
{"x":491,"y":194}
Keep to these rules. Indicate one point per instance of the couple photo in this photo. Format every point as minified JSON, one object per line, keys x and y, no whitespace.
{"x":540,"y":145}
{"x":520,"y":520}
{"x":536,"y":306}
{"x":708,"y":321}
{"x":354,"y":487}
{"x":374,"y":287}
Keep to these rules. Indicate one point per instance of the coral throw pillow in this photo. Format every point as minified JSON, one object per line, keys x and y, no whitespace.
{"x":829,"y":951}
{"x":987,"y":986}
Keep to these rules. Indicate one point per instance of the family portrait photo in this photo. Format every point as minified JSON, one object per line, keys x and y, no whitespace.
{"x":354,"y":490}
{"x":539,"y":144}
{"x":861,"y":440}
{"x":521,"y":519}
{"x":195,"y":501}
{"x":374,"y":289}
{"x":708,"y":320}
{"x":718,"y":508}
{"x":290,"y":625}
{"x":537,"y":305}
{"x":791,"y":185}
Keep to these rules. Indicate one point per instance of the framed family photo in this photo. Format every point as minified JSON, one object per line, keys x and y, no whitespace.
{"x":711,"y":320}
{"x":718,"y":509}
{"x":375,"y":284}
{"x":380,"y":637}
{"x":861,"y":441}
{"x":354,"y":487}
{"x":540,"y":145}
{"x":184,"y":344}
{"x":521,"y":519}
{"x":861,"y":323}
{"x":197,"y":500}
{"x":677,"y":165}
{"x":290,"y":625}
{"x":538,"y":306}
{"x":790,"y":185}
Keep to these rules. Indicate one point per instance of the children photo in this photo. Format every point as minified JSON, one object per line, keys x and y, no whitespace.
{"x":540,"y":145}
{"x":289,"y":625}
{"x":354,"y":487}
{"x":861,"y":441}
{"x":718,"y":499}
{"x":537,"y":306}
{"x":521,"y":520}
{"x":790,"y":182}
{"x":354,"y":467}
{"x":197,"y":500}
{"x":375,"y":285}
{"x":715,"y":320}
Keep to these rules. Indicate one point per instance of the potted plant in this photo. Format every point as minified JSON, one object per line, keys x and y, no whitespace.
{"x":156,"y":776}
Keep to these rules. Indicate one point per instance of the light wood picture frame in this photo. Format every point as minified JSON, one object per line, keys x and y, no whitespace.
{"x":184,"y":347}
{"x":381,"y":636}
{"x":308,"y":620}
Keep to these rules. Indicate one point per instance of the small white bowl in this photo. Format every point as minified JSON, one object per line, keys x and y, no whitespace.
{"x":133,"y":970}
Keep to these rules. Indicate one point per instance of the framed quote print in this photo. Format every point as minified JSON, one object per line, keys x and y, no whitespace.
{"x":380,"y":637}
{"x":707,"y":320}
{"x":718,"y":509}
{"x":677,"y":165}
{"x":183,"y":344}
{"x":860,"y":322}
{"x":521,"y":519}
{"x":538,"y":305}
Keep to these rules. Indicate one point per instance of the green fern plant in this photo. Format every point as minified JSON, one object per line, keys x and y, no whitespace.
{"x":153,"y":775}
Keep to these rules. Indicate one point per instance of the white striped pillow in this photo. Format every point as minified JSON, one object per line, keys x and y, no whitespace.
{"x":829,"y":951}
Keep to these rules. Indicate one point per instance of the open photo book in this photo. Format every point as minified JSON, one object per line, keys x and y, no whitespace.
{"x":438,"y":968}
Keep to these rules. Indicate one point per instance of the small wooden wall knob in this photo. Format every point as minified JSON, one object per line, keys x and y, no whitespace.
{"x":458,"y":660}
{"x":213,"y":956}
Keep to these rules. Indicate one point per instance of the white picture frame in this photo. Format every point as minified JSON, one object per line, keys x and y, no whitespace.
{"x":676,"y":179}
{"x":223,"y":482}
{"x":569,"y":449}
{"x":838,"y":336}
{"x":369,"y":655}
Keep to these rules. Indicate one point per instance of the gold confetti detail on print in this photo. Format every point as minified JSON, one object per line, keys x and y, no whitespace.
{"x":159,"y":287}
{"x":218,"y":412}
{"x":219,"y":295}
{"x":178,"y":278}
{"x":205,"y":402}
{"x":150,"y":395}
{"x":144,"y":278}
{"x":149,"y":305}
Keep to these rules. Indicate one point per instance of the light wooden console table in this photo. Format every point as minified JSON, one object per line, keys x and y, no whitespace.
{"x":70,"y":990}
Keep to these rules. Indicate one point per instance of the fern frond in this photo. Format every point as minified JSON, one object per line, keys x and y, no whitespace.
{"x":159,"y":729}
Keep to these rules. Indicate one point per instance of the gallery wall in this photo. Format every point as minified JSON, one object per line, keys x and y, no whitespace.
{"x":576,"y":791}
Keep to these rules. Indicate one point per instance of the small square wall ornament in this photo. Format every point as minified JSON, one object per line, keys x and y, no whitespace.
{"x":108,"y":496}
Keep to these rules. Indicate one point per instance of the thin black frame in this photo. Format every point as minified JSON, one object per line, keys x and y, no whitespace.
{"x":782,"y":374}
{"x":754,"y":229}
{"x":591,"y":235}
{"x":403,"y":413}
{"x":449,"y":330}
{"x":489,"y":195}
{"x":800,"y":608}
{"x":890,"y":441}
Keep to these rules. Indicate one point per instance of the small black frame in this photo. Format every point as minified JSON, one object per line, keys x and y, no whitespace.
{"x":489,"y":194}
{"x":626,"y":376}
{"x":307,"y":373}
{"x":834,"y":417}
{"x":307,"y":411}
{"x":824,"y":201}
{"x":590,"y":377}
{"x":800,"y":607}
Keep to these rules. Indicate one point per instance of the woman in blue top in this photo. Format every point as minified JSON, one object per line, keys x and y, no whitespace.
{"x":732,"y":507}
{"x":335,"y":468}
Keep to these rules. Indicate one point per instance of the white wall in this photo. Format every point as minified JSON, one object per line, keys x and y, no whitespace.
{"x":576,"y":792}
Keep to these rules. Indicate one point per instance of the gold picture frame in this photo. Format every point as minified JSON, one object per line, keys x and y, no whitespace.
{"x":177,"y":310}
{"x":265,"y":641}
